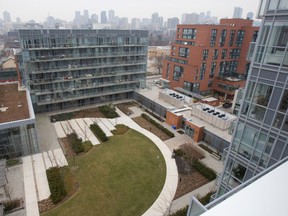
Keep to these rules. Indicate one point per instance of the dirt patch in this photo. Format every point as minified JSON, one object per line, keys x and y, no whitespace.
{"x":124,"y":107}
{"x":189,"y":178}
{"x":188,"y":183}
{"x":152,"y":128}
{"x":65,"y":144}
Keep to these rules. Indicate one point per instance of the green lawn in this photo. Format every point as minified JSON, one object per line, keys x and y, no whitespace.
{"x":123,"y":176}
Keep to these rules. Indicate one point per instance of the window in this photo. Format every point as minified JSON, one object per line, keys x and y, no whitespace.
{"x":167,"y":71}
{"x":233,"y":67}
{"x":212,"y":70}
{"x":178,"y":72}
{"x":184,"y":52}
{"x":222,"y":38}
{"x":189,"y":33}
{"x":215,"y":54}
{"x":240,"y":37}
{"x":234,"y":53}
{"x":202,"y":71}
{"x":205,"y":54}
{"x":187,"y":86}
{"x":283,"y":5}
{"x":224,"y":53}
{"x":210,"y":83}
{"x":213,"y":37}
{"x":255,"y":35}
{"x":231,"y":38}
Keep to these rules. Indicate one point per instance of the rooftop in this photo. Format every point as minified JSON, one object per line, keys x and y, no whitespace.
{"x":200,"y":122}
{"x":8,"y":64}
{"x":13,"y":103}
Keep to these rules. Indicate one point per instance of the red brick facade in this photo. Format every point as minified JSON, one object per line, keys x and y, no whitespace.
{"x":193,"y":56}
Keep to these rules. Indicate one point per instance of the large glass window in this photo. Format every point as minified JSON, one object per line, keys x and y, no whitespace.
{"x":184,"y":52}
{"x":276,"y":44}
{"x":202,"y":71}
{"x":273,"y":4}
{"x":189,"y":33}
{"x":178,"y":72}
{"x":215,"y":54}
{"x":212,"y":70}
{"x":283,"y":5}
{"x":213,"y":37}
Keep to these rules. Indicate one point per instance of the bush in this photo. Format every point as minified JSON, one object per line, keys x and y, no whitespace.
{"x":206,"y":198}
{"x":152,"y":121}
{"x":120,"y":129}
{"x":87,"y":145}
{"x":56,"y":184}
{"x":98,"y":132}
{"x":62,"y":117}
{"x":10,"y":204}
{"x":76,"y":143}
{"x":204,"y":170}
{"x":181,"y":212}
{"x":179,"y":152}
{"x":109,"y":111}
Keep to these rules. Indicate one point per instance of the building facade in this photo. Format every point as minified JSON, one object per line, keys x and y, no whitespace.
{"x":208,"y":59}
{"x":70,"y":68}
{"x":261,"y":135}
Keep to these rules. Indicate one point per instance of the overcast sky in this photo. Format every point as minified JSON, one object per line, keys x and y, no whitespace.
{"x":39,"y":10}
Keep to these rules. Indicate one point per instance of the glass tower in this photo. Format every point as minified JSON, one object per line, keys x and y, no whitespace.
{"x":260,"y":137}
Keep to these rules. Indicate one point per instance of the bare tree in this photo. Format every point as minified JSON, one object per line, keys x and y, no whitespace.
{"x":9,"y":192}
{"x":165,"y":204}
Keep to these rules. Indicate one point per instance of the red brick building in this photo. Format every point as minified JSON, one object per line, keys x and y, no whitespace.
{"x":210,"y":59}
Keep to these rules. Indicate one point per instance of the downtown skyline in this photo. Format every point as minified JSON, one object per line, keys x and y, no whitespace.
{"x":123,"y":8}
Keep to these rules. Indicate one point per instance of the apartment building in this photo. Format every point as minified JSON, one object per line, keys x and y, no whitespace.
{"x":261,"y":136}
{"x":71,"y":68}
{"x":210,"y":59}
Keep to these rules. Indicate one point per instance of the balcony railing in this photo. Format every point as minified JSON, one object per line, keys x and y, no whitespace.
{"x":85,"y":67}
{"x":62,"y":57}
{"x":84,"y":96}
{"x":84,"y":77}
{"x":84,"y":86}
{"x":73,"y":46}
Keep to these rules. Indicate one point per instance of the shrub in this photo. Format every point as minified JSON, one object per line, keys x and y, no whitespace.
{"x":62,"y":117}
{"x":109,"y":111}
{"x":120,"y":129}
{"x":98,"y":132}
{"x":152,"y":121}
{"x":179,"y":152}
{"x":206,"y":198}
{"x":56,"y":184}
{"x":12,"y":162}
{"x":87,"y":145}
{"x":76,"y":143}
{"x":10,"y":204}
{"x":180,"y":212}
{"x":204,"y":170}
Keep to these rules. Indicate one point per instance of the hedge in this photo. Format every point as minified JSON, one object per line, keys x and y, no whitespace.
{"x":10,"y":204}
{"x":180,"y":212}
{"x":206,"y":198}
{"x":56,"y":184}
{"x":109,"y":111}
{"x":204,"y":170}
{"x":152,"y":121}
{"x":98,"y":132}
{"x":76,"y":143}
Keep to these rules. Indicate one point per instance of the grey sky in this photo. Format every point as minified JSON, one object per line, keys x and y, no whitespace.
{"x":39,"y":9}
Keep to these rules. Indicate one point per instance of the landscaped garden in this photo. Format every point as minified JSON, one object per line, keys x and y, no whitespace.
{"x":122,"y":176}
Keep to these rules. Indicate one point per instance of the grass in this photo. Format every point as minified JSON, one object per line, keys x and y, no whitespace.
{"x":124,"y":176}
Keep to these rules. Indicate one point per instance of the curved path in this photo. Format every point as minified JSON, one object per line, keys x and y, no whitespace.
{"x":164,"y":201}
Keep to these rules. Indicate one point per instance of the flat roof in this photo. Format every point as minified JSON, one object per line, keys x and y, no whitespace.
{"x":153,"y":94}
{"x":265,"y":196}
{"x":13,"y":103}
{"x":201,"y":123}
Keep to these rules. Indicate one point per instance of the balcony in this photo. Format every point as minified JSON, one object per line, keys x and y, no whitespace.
{"x":84,"y":56}
{"x":84,"y":86}
{"x":84,"y":77}
{"x":86,"y":67}
{"x":88,"y":45}
{"x":84,"y":96}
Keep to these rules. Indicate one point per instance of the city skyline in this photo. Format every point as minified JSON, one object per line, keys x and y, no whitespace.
{"x":40,"y":12}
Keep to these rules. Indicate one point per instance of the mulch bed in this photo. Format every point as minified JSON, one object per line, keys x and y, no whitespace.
{"x":148,"y":126}
{"x":89,"y":113}
{"x":65,"y":144}
{"x":189,"y":178}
